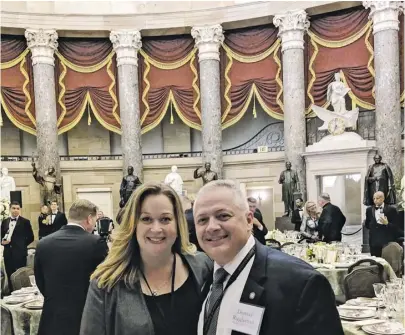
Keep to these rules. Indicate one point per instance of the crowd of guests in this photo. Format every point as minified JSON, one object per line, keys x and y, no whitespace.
{"x":153,"y":281}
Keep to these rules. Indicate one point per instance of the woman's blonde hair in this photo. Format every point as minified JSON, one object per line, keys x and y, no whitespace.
{"x":309,"y":203}
{"x":124,"y":259}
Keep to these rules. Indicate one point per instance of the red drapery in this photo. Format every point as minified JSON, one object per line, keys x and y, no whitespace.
{"x":250,"y":69}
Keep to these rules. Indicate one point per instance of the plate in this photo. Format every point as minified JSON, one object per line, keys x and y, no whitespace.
{"x":356,"y":314}
{"x":366,"y":302}
{"x":36,"y":304}
{"x":13,"y":300}
{"x":24,"y":291}
{"x":386,"y":328}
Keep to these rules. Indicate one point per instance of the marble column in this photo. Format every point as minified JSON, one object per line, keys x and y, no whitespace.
{"x":208,"y":39}
{"x":42,"y":44}
{"x":126,"y":44}
{"x":387,"y":90}
{"x":292,"y":26}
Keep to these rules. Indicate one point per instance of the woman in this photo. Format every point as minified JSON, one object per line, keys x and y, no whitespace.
{"x":151,"y":280}
{"x":309,"y":226}
{"x":44,"y":222}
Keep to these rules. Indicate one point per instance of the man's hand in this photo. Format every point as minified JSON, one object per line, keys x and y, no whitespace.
{"x":383,"y":220}
{"x":5,"y":242}
{"x":257,"y":224}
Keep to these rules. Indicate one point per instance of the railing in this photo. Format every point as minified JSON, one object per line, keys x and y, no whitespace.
{"x":271,"y":136}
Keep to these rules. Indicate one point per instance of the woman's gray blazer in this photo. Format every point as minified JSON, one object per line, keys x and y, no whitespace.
{"x":123,"y":311}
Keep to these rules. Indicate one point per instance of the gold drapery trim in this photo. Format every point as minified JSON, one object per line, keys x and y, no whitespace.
{"x":27,"y":93}
{"x":100,"y":119}
{"x":250,"y":59}
{"x":228,"y":87}
{"x":85,"y":69}
{"x":278,"y":79}
{"x":168,"y":66}
{"x":314,"y":39}
{"x":111,"y":91}
{"x":145,"y":91}
{"x":340,"y":43}
{"x":253,"y":92}
{"x":15,"y":61}
{"x":62,"y":93}
{"x":195,"y":87}
{"x":17,"y":123}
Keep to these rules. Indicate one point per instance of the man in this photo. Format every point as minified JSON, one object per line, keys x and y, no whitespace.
{"x":267,"y":291}
{"x":205,"y":173}
{"x":331,"y":220}
{"x":16,"y":235}
{"x":128,"y":185}
{"x":104,"y":226}
{"x":381,"y":220}
{"x":57,"y":218}
{"x":191,"y":226}
{"x":297,"y":214}
{"x":259,"y":229}
{"x":64,"y":262}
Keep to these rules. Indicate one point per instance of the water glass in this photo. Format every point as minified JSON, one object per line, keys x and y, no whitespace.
{"x":379,"y":293}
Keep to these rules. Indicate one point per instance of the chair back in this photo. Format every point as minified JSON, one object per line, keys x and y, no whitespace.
{"x":7,"y":327}
{"x":272,"y":243}
{"x":20,"y":278}
{"x":361,"y":277}
{"x":393,"y":254}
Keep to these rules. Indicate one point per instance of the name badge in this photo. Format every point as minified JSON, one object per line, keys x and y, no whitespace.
{"x":246,"y":319}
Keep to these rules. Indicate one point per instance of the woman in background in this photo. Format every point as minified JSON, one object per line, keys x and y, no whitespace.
{"x":309,"y":226}
{"x":44,"y":222}
{"x":150,"y":282}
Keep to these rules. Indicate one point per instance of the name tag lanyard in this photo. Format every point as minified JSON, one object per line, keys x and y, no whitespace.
{"x":239,"y":269}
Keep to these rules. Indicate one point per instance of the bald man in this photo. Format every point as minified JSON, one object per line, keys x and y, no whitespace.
{"x":381,"y":220}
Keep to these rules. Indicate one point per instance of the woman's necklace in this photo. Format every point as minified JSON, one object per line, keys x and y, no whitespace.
{"x":155,"y":292}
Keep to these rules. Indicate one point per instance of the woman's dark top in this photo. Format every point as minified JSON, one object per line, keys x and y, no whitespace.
{"x":183,"y":318}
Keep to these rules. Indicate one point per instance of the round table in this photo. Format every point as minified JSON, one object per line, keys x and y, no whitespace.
{"x":25,"y":321}
{"x":336,"y":278}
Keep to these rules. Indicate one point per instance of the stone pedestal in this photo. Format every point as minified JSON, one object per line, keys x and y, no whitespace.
{"x":126,"y":44}
{"x":284,"y":223}
{"x":387,"y":88}
{"x":208,"y":40}
{"x":42,"y":44}
{"x":292,"y":27}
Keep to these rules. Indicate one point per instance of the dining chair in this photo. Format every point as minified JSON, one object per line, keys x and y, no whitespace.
{"x":20,"y":278}
{"x":393,"y":254}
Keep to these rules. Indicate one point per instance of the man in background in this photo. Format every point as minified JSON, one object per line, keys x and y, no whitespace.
{"x":259,"y":229}
{"x":331,"y":221}
{"x":64,"y":262}
{"x":16,"y":235}
{"x":191,"y":226}
{"x":57,"y":218}
{"x":104,"y":226}
{"x":297,"y":214}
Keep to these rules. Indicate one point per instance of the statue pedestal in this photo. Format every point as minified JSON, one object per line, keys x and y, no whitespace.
{"x":347,"y":140}
{"x":284,"y":223}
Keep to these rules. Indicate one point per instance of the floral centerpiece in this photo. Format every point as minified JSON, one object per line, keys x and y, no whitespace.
{"x":4,"y":209}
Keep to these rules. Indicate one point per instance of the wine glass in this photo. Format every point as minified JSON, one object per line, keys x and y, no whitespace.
{"x":379,"y":293}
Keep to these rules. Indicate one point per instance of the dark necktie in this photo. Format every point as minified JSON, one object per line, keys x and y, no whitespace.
{"x":216,"y":294}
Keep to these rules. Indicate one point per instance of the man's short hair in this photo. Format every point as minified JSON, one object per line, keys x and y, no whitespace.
{"x":81,"y":209}
{"x":252,"y":200}
{"x":325,"y":196}
{"x":239,"y":197}
{"x":300,"y":199}
{"x":54,"y":201}
{"x":15,"y":203}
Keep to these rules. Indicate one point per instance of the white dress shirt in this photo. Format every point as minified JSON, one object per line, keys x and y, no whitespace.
{"x":53,"y":217}
{"x":379,"y":213}
{"x":11,"y":227}
{"x":233,"y":293}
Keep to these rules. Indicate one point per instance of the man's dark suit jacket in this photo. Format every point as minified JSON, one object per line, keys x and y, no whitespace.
{"x":380,"y":235}
{"x":331,"y":223}
{"x":296,"y":219}
{"x":297,"y":299}
{"x":257,"y":233}
{"x":15,"y":253}
{"x":59,"y":221}
{"x":64,"y":262}
{"x":192,"y":235}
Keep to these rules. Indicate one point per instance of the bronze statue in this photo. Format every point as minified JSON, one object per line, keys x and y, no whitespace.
{"x":128,"y":185}
{"x":291,"y":184}
{"x":49,"y":187}
{"x":205,"y":173}
{"x":379,"y":178}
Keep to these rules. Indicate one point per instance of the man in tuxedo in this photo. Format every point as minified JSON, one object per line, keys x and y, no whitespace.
{"x":16,"y":235}
{"x":58,"y":219}
{"x":297,"y":214}
{"x":64,"y":262}
{"x":331,"y":221}
{"x":272,"y":292}
{"x":259,"y":228}
{"x":381,"y":220}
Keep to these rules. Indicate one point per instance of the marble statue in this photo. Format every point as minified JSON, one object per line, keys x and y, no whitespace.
{"x":7,"y":184}
{"x":175,"y":181}
{"x":49,"y":186}
{"x":205,"y":173}
{"x":340,"y":118}
{"x":128,"y":185}
{"x":379,"y":178}
{"x":290,"y":185}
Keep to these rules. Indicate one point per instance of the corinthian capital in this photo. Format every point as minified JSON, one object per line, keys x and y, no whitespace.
{"x":208,"y":40}
{"x":126,"y":44}
{"x":292,"y":26}
{"x":42,"y":44}
{"x":384,"y":14}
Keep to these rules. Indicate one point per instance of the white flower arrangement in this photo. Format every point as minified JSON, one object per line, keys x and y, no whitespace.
{"x":4,"y":209}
